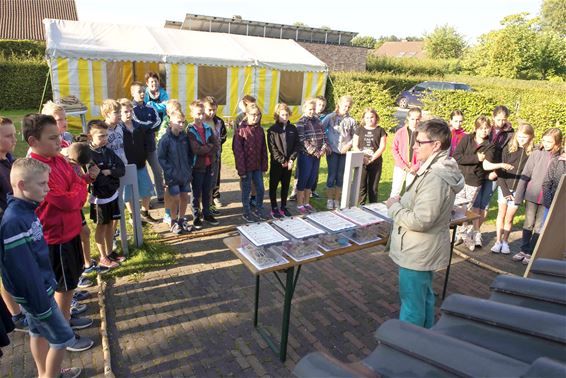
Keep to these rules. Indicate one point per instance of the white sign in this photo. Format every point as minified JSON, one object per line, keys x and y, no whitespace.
{"x":298,"y":228}
{"x":331,"y":221}
{"x":261,"y":234}
{"x":358,"y":216}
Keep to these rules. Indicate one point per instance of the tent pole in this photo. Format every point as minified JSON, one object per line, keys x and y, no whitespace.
{"x":44,"y":88}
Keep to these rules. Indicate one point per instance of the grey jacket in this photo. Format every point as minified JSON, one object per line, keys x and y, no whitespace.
{"x":339,"y":130}
{"x":420,"y":238}
{"x":529,"y":187}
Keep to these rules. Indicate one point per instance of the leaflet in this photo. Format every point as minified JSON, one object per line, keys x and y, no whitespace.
{"x":358,"y":216}
{"x":261,"y":234}
{"x":331,"y":221}
{"x":378,"y":208}
{"x":298,"y":228}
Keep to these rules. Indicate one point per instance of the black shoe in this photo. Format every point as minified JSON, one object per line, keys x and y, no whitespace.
{"x":213,"y":210}
{"x":197,"y":223}
{"x":211,"y":220}
{"x":315,"y":195}
{"x":249,"y":218}
{"x":286,"y":212}
{"x":275,"y":213}
{"x":147,"y":218}
{"x":261,"y":216}
{"x":293,"y":197}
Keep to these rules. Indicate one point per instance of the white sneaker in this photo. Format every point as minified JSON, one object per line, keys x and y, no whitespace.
{"x":519,"y":256}
{"x":505,"y":248}
{"x":330,"y":204}
{"x":497,"y":247}
{"x":469,"y":243}
{"x":337,"y":204}
{"x":477,"y":240}
{"x":527,"y":259}
{"x":217,"y":202}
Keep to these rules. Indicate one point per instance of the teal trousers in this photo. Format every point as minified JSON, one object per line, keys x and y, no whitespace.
{"x":417,"y":297}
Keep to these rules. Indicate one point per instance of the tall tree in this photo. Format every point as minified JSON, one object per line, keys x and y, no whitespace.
{"x":445,"y":43}
{"x":553,"y":16}
{"x":364,"y":41}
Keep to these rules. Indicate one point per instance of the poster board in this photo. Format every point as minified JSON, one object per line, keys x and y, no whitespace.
{"x":551,"y":243}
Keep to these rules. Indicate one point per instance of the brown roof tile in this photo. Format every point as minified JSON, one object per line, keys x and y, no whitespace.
{"x":22,"y":19}
{"x":404,"y":49}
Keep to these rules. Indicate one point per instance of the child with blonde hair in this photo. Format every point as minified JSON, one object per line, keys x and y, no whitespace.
{"x":110,"y":111}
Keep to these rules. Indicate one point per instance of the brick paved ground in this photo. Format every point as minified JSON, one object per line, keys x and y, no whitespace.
{"x":195,"y":318}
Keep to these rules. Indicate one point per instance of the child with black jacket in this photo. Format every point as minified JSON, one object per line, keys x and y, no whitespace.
{"x":283,"y":144}
{"x":104,"y":208}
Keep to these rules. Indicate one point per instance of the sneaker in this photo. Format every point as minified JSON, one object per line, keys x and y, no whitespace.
{"x":72,"y":372}
{"x":147,"y":218}
{"x":81,"y":344}
{"x":217,"y":202}
{"x":252,"y":202}
{"x":309,"y":208}
{"x":505,"y":248}
{"x":496,"y":247}
{"x":330,"y":204}
{"x":197,"y":223}
{"x":166,"y":218}
{"x":116,"y":257}
{"x":285,"y":212}
{"x":302,"y":210}
{"x":213,"y":210}
{"x":84,"y":282}
{"x":101,"y":269}
{"x":77,"y":322}
{"x":315,"y":195}
{"x":81,"y":295}
{"x":469,"y":243}
{"x":249,"y":218}
{"x":176,"y":228}
{"x":275,"y":214}
{"x":337,"y":204}
{"x":107,"y":263}
{"x":478,"y":240}
{"x":292,"y":197}
{"x":186,"y":225}
{"x":527,"y":259}
{"x":281,"y":213}
{"x":211,"y":220}
{"x":20,"y":323}
{"x":259,"y":214}
{"x":90,"y":269}
{"x":519,"y":256}
{"x":77,"y":308}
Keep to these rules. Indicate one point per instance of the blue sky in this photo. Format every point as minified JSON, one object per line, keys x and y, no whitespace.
{"x":375,"y":18}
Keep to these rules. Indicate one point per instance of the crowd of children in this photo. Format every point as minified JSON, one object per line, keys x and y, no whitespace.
{"x":44,"y":231}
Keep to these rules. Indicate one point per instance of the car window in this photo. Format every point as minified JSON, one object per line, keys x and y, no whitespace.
{"x":462,"y":87}
{"x":419,"y":88}
{"x":434,"y":85}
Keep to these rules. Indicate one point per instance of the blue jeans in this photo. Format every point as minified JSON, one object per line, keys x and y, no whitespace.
{"x":484,"y":195}
{"x":55,"y":329}
{"x":417,"y":297}
{"x":246,"y":185}
{"x":336,"y":164}
{"x":308,"y":171}
{"x":202,"y":186}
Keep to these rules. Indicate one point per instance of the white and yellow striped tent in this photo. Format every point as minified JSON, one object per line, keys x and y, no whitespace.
{"x":95,"y":61}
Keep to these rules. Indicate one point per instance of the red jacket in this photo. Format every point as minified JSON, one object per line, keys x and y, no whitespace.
{"x":60,"y":211}
{"x":401,"y":148}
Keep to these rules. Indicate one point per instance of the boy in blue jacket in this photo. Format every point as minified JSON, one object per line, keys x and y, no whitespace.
{"x":26,"y":271}
{"x":176,"y":159}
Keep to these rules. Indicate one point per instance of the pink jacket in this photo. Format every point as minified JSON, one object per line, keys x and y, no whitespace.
{"x":401,"y":149}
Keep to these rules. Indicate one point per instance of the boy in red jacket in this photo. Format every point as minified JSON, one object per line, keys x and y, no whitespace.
{"x":60,"y":215}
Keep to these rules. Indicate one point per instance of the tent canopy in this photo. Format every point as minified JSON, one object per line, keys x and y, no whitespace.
{"x":113,"y":42}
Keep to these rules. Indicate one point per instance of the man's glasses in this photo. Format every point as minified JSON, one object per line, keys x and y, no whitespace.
{"x":421,"y":142}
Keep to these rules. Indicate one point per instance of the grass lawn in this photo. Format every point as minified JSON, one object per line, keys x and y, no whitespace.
{"x":384,"y":185}
{"x":151,"y":255}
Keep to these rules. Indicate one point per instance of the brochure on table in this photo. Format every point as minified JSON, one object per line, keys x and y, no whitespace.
{"x":262,"y":258}
{"x":298,"y":228}
{"x":378,"y":208}
{"x":260,"y":234}
{"x":331,"y":221}
{"x":359,"y":216}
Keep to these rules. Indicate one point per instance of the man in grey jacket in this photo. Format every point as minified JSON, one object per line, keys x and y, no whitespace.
{"x":420,"y":238}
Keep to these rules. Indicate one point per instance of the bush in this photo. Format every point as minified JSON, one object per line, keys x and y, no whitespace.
{"x":413,"y":66}
{"x":26,"y":49}
{"x":366,"y":94}
{"x":22,"y":84}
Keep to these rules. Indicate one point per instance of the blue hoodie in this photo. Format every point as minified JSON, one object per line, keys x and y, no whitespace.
{"x":175,"y":157}
{"x":24,"y":258}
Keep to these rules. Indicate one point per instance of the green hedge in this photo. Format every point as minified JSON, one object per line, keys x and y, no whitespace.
{"x":26,"y":49}
{"x":413,"y":66}
{"x":22,"y":84}
{"x":366,"y":94}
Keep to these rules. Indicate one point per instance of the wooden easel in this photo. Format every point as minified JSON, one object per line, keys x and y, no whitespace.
{"x":552,"y":241}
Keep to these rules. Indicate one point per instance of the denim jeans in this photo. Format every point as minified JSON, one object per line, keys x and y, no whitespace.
{"x":308,"y":166}
{"x":202,"y":185}
{"x":417,"y":297}
{"x":336,"y":165}
{"x":246,"y":185}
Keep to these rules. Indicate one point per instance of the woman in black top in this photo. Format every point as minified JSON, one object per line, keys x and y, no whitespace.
{"x":370,"y":138}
